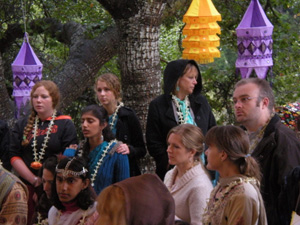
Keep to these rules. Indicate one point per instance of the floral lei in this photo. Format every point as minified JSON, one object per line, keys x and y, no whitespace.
{"x":100,"y":161}
{"x":209,"y":212}
{"x":114,"y":116}
{"x":39,"y":157}
{"x":40,"y":220}
{"x":182,"y":118}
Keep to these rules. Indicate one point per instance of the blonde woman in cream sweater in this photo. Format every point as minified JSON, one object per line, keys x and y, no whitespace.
{"x":188,"y":181}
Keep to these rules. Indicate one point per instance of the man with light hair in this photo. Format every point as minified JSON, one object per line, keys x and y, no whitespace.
{"x":272,"y":144}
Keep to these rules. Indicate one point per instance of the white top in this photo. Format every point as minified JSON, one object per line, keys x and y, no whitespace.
{"x":190,"y":192}
{"x":71,"y":218}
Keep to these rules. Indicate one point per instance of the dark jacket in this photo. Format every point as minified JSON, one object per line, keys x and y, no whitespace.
{"x":62,"y":135}
{"x":277,"y":153}
{"x":289,"y":199}
{"x":161,"y":116}
{"x":129,"y":131}
{"x":4,"y":144}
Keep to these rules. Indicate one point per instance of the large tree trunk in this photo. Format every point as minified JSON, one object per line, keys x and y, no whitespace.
{"x":139,"y":59}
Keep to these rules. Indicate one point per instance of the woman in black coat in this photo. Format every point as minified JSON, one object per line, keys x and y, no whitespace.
{"x":181,"y":102}
{"x":122,"y":120}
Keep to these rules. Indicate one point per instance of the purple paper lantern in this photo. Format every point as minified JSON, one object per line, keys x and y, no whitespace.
{"x":27,"y":70}
{"x":254,"y":40}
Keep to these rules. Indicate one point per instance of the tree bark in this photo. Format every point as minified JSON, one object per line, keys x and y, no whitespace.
{"x":134,"y":39}
{"x":85,"y":60}
{"x":139,"y":59}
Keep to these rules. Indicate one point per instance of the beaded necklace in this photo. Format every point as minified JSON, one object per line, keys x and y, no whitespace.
{"x":100,"y":161}
{"x":209,"y":212}
{"x":259,"y":136}
{"x":38,"y":157}
{"x":114,"y":116}
{"x":182,"y":118}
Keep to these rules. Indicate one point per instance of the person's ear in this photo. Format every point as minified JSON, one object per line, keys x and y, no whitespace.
{"x":86,"y":183}
{"x":103,"y":125}
{"x":193,"y":152}
{"x":265,"y":102}
{"x":224,"y":156}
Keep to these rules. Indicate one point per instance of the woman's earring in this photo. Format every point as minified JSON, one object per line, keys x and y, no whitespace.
{"x":177,"y":88}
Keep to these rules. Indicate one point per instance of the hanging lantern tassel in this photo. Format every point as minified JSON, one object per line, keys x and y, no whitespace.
{"x":201,"y":41}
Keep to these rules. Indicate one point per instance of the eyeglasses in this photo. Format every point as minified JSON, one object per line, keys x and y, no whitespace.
{"x":243,"y":100}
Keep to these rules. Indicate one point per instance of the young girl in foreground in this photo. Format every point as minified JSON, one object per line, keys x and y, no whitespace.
{"x":236,"y":199}
{"x":73,"y":196}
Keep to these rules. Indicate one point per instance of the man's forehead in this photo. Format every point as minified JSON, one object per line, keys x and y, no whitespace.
{"x":245,"y":90}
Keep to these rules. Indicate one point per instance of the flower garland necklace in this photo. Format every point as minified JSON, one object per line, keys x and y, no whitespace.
{"x":114,"y":116}
{"x":182,"y":119}
{"x":41,"y":221}
{"x":100,"y":161}
{"x":212,"y":211}
{"x":38,"y":157}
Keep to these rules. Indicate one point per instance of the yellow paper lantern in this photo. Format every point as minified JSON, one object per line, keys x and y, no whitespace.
{"x":201,"y":41}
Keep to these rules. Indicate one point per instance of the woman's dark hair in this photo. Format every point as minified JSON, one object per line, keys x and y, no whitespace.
{"x":235,"y":142}
{"x":86,"y":197}
{"x":101,"y":114}
{"x":49,"y":164}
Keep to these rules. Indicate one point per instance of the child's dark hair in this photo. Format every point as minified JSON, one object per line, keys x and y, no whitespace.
{"x":86,"y":197}
{"x":49,"y":164}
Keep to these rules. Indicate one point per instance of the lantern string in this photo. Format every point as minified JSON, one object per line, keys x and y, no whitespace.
{"x":24,"y":15}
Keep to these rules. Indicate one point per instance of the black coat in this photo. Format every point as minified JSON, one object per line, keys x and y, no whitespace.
{"x":4,"y":144}
{"x":129,"y":131}
{"x":63,"y":134}
{"x":161,"y":119}
{"x":277,"y":153}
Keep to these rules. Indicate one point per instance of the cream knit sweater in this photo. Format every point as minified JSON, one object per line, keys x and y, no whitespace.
{"x":190,"y":192}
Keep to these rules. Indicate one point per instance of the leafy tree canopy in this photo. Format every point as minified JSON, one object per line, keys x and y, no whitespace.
{"x":219,"y":77}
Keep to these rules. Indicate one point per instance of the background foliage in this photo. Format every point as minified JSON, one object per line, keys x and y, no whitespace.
{"x":219,"y":77}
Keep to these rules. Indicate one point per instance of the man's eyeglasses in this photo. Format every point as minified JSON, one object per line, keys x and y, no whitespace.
{"x":243,"y":100}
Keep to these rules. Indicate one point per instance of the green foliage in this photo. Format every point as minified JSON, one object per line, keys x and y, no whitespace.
{"x":52,"y":53}
{"x":170,"y":42}
{"x":219,"y":77}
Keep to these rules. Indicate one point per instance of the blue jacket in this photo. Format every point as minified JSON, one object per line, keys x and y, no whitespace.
{"x":114,"y":168}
